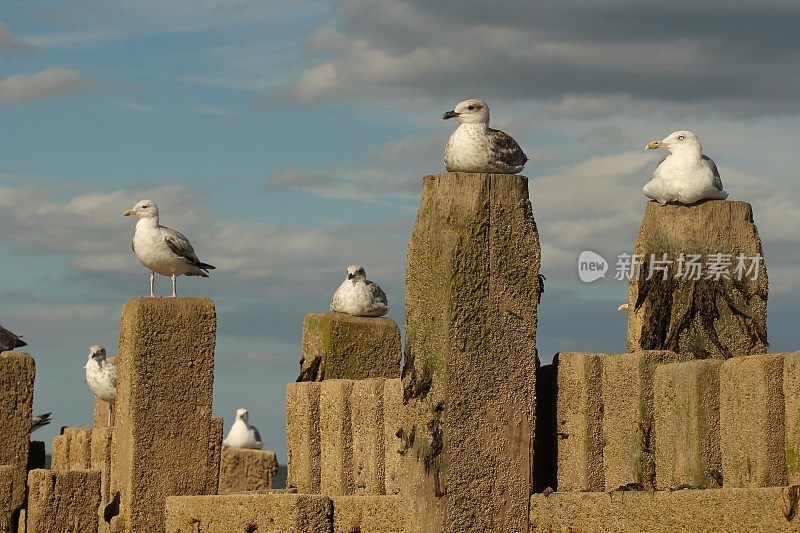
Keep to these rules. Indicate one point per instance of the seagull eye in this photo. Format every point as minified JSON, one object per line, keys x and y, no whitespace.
{"x":681,"y":137}
{"x":471,"y":107}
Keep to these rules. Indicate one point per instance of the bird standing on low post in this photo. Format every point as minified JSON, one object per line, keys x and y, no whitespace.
{"x":475,"y":147}
{"x":359,"y":296}
{"x":243,"y":435}
{"x":101,"y":376}
{"x":161,"y":249}
{"x":685,"y":176}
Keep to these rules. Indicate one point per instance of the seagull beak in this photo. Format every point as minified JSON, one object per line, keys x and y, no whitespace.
{"x":128,"y":213}
{"x":652,"y":145}
{"x":450,"y":114}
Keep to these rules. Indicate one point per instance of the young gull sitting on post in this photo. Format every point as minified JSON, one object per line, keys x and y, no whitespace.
{"x":475,"y":147}
{"x":162,"y":249}
{"x":685,"y":176}
{"x":101,"y":376}
{"x":358,"y":296}
{"x":243,"y":435}
{"x":10,"y":341}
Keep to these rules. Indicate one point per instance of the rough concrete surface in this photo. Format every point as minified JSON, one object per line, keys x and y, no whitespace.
{"x":686,"y":413}
{"x":392,"y":444}
{"x":214,"y":455}
{"x":17,"y":373}
{"x":163,"y":425}
{"x":302,"y":437}
{"x":710,"y":510}
{"x":7,"y":475}
{"x":751,"y":413}
{"x":336,"y":438}
{"x":249,"y":513}
{"x":245,"y":470}
{"x":366,"y":411}
{"x":472,"y":289}
{"x":368,"y":514}
{"x":628,"y":429}
{"x":101,"y":461}
{"x":705,"y":317}
{"x":72,"y":450}
{"x":579,"y":426}
{"x":342,"y":346}
{"x":62,"y":501}
{"x":791,"y":398}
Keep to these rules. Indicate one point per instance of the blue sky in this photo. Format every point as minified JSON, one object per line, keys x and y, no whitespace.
{"x":288,"y":139}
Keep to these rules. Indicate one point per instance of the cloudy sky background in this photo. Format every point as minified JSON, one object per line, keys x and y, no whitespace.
{"x":288,"y":139}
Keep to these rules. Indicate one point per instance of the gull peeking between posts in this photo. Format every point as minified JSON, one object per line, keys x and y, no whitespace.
{"x":475,"y":147}
{"x":101,"y":376}
{"x":685,"y":175}
{"x":243,"y":435}
{"x":358,"y":296}
{"x":161,"y":249}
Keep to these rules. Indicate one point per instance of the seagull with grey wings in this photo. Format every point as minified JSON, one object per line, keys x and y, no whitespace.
{"x":475,"y":147}
{"x":10,"y":341}
{"x":242,"y":434}
{"x":359,"y":296}
{"x":38,"y":421}
{"x":161,"y":249}
{"x":685,"y":175}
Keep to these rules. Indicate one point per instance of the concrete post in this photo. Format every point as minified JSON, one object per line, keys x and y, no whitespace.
{"x":17,"y":373}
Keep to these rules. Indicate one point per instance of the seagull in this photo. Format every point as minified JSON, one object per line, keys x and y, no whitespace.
{"x":475,"y":147}
{"x":243,"y":435}
{"x":162,"y":249}
{"x":101,"y":376}
{"x":358,"y":296}
{"x":685,"y":176}
{"x":9,"y":341}
{"x":40,"y":420}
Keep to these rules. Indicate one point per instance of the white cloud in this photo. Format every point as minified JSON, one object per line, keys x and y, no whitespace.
{"x":47,"y":83}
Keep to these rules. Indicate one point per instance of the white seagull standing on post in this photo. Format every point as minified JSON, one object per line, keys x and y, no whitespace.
{"x":685,"y":176}
{"x":101,"y":376}
{"x":161,"y":249}
{"x":243,"y":435}
{"x":475,"y":147}
{"x":359,"y":296}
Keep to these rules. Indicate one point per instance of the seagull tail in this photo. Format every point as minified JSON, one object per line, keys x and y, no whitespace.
{"x":206,"y":266}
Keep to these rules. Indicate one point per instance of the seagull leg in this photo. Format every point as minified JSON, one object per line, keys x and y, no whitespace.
{"x":152,"y":284}
{"x":174,"y":291}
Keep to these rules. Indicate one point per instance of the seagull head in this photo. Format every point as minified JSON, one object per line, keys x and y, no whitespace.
{"x":143,"y":209}
{"x":678,"y":142}
{"x":97,"y":352}
{"x":356,"y":273}
{"x":241,"y":414}
{"x":472,"y":111}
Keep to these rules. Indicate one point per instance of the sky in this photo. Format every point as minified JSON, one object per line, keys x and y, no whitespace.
{"x":288,"y":140}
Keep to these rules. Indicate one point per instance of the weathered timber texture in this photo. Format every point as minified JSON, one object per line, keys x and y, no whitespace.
{"x":244,"y":470}
{"x":341,"y":346}
{"x":705,"y":317}
{"x":17,"y":373}
{"x":728,"y":510}
{"x":163,"y":423}
{"x":249,"y":513}
{"x":751,"y":414}
{"x":62,"y":501}
{"x":686,"y":409}
{"x":368,"y":514}
{"x":629,"y":438}
{"x":791,"y":398}
{"x":302,"y":437}
{"x":472,"y":288}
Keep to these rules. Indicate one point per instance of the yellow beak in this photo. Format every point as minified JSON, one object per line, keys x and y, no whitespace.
{"x":652,"y":145}
{"x":128,"y":213}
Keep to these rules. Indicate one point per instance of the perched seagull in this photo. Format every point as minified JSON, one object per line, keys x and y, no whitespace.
{"x":243,"y":435}
{"x":475,"y":147}
{"x":358,"y":296}
{"x":162,"y":249}
{"x":623,"y":308}
{"x":9,"y":341}
{"x":686,"y":175}
{"x":40,"y":420}
{"x":101,"y":376}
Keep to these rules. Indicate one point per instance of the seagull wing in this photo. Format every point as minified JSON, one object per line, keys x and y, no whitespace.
{"x":40,"y":420}
{"x":506,"y":149}
{"x":181,"y":247}
{"x":256,"y":434}
{"x":713,"y":166}
{"x":377,"y":292}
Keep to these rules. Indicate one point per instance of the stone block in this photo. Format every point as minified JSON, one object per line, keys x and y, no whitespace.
{"x":472,"y":290}
{"x":36,"y":455}
{"x":101,"y":461}
{"x":340,"y":346}
{"x":751,"y":413}
{"x":302,"y":437}
{"x":63,"y":501}
{"x":366,"y":411}
{"x":728,"y":510}
{"x":368,"y":514}
{"x":686,"y":409}
{"x":17,"y":373}
{"x":392,"y":443}
{"x":7,"y":475}
{"x":718,"y":315}
{"x":336,"y":438}
{"x":163,"y":424}
{"x":628,"y":428}
{"x":791,"y":397}
{"x":262,"y":513}
{"x":579,"y":421}
{"x":214,"y":454}
{"x":72,"y":450}
{"x":244,"y":470}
